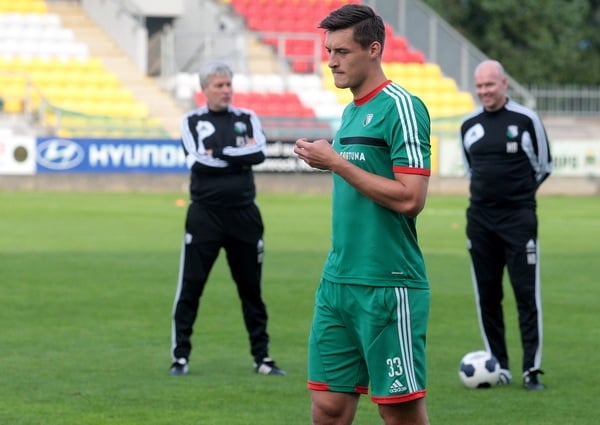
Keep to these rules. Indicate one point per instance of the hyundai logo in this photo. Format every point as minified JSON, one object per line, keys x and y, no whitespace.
{"x":59,"y":154}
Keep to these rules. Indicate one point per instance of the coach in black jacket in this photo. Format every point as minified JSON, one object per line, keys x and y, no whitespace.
{"x":221,"y":143}
{"x":507,"y":157}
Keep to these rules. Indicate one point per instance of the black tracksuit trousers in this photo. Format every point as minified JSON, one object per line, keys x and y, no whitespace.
{"x":239,"y":232}
{"x":499,"y":237}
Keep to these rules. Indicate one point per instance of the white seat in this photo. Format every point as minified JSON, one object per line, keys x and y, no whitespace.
{"x":256,"y":82}
{"x":33,"y":33}
{"x":51,"y":20}
{"x":61,"y":49}
{"x":301,"y":82}
{"x":275,"y":83}
{"x":266,"y":83}
{"x":241,"y":83}
{"x":58,"y":34}
{"x":33,"y":20}
{"x":47,"y":48}
{"x":315,"y":97}
{"x":9,"y":47}
{"x":77,"y":50}
{"x":14,"y":32}
{"x":29,"y":48}
{"x":16,"y":19}
{"x":185,"y":85}
{"x":329,"y":111}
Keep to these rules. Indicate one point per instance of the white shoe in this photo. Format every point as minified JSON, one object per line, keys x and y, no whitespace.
{"x":505,"y":377}
{"x":179,"y":367}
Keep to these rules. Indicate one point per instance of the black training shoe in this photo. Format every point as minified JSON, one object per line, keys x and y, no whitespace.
{"x":531,"y":381}
{"x":268,"y":367}
{"x":179,"y":367}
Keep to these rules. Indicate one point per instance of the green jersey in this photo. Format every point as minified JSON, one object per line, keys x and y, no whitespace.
{"x":385,"y":132}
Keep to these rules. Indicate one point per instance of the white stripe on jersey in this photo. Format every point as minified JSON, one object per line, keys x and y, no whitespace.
{"x":408,"y":120}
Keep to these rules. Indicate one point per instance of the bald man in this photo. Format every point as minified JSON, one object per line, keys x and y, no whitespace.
{"x":507,"y":157}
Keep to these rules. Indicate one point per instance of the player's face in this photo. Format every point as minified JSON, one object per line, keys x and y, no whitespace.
{"x":348,"y":61}
{"x":218,"y":93}
{"x":491,"y":88}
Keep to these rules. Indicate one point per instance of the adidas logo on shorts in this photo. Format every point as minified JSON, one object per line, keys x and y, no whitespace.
{"x":397,"y":387}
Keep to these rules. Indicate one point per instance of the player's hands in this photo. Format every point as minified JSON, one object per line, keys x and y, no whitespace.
{"x":318,"y":154}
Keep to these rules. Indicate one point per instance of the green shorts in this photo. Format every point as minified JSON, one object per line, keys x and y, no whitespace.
{"x":365,"y":336}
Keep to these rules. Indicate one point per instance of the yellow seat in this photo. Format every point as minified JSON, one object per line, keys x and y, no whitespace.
{"x":65,"y":133}
{"x":102,"y":78}
{"x":343,"y":96}
{"x":89,"y":64}
{"x":13,"y":94}
{"x":90,"y":93}
{"x":52,"y":92}
{"x":36,"y":64}
{"x":432,"y":70}
{"x":445,"y":85}
{"x":133,"y":110}
{"x":28,"y":6}
{"x":118,"y":95}
{"x":397,"y":71}
{"x":413,"y":70}
{"x":464,"y":102}
{"x":12,"y":78}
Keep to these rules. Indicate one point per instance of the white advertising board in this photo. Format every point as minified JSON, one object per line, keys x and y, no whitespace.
{"x":17,"y":154}
{"x":571,"y":158}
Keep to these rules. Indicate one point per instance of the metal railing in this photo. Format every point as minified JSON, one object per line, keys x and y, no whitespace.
{"x":579,"y":101}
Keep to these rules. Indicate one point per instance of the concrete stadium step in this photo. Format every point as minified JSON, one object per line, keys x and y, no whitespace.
{"x":262,"y":59}
{"x":575,"y":128}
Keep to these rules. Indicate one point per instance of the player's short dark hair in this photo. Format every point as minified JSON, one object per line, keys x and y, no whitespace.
{"x":368,"y":26}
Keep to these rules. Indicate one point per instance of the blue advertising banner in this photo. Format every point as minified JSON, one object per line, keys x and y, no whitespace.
{"x":56,"y":155}
{"x":121,"y":156}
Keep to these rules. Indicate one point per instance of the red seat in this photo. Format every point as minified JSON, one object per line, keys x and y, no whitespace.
{"x":416,"y":56}
{"x":281,"y":16}
{"x":199,"y":98}
{"x":301,"y":66}
{"x":299,"y":47}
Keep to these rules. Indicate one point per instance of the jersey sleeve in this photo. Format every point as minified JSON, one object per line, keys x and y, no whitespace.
{"x":466,"y":159}
{"x":537,"y":147}
{"x":411,"y":149}
{"x":195,"y":151}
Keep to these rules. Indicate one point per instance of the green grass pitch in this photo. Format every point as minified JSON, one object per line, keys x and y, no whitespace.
{"x":87,"y":283}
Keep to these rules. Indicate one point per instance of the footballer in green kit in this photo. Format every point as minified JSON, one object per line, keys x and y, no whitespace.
{"x":384,"y":133}
{"x":372,"y":305}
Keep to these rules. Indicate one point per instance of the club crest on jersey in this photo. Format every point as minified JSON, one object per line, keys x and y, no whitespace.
{"x":239,"y":127}
{"x":512,"y":131}
{"x":367,"y":120}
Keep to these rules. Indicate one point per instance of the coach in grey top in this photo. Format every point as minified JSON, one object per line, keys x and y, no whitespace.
{"x":507,"y":157}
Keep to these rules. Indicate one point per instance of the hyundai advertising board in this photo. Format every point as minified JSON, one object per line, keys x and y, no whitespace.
{"x":60,"y":155}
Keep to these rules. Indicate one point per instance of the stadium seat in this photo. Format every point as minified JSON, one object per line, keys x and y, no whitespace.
{"x":241,"y":82}
{"x":402,"y":63}
{"x":23,"y":6}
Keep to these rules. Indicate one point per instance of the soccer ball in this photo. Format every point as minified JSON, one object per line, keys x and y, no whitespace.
{"x":479,"y":369}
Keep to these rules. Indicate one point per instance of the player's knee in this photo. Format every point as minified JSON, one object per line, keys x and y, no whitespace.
{"x":333,"y":408}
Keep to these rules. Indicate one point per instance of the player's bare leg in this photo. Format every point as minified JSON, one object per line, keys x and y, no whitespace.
{"x":329,"y":408}
{"x":409,"y":413}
